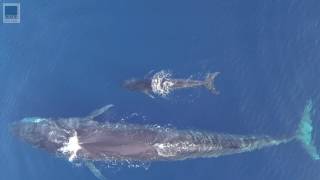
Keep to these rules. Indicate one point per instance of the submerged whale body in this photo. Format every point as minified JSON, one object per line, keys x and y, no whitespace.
{"x":88,"y":140}
{"x":161,"y":84}
{"x":105,"y":141}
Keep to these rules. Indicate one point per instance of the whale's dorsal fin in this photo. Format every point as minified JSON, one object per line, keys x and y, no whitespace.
{"x":95,"y":171}
{"x":148,"y":94}
{"x":99,"y":111}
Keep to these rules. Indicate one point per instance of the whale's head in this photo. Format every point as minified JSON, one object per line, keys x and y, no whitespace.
{"x":137,"y":85}
{"x":40,"y":132}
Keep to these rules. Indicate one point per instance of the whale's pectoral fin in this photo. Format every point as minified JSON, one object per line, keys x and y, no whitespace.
{"x":148,"y":94}
{"x":100,"y":111}
{"x":149,"y":75}
{"x":95,"y":171}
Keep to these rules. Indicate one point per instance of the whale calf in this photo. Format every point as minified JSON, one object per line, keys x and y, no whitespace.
{"x":161,"y":84}
{"x":85,"y":139}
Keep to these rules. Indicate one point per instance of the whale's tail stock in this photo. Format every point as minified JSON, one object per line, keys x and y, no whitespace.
{"x":209,"y":82}
{"x":305,"y":133}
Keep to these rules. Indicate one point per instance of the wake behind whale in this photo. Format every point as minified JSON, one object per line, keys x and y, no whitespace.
{"x":86,"y":140}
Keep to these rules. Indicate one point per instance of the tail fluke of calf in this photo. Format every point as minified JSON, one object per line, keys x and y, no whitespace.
{"x":209,"y":82}
{"x":305,"y":132}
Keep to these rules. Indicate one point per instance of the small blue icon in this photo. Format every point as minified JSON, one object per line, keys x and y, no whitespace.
{"x":11,"y":12}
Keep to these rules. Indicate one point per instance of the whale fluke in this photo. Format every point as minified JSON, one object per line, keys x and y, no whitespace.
{"x":209,"y":82}
{"x":304,"y":132}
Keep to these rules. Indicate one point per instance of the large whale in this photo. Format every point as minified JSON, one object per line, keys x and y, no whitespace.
{"x":85,"y":139}
{"x":161,"y":83}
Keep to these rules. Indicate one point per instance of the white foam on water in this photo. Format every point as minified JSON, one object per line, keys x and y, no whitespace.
{"x":71,"y":147}
{"x":161,"y":83}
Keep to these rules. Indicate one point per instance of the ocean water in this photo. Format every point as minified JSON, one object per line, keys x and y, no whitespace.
{"x":68,"y":58}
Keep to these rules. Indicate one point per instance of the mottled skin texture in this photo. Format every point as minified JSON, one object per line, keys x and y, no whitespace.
{"x":186,"y":83}
{"x":98,"y":141}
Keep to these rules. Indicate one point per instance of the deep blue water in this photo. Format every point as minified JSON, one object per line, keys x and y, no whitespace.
{"x":69,"y":58}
